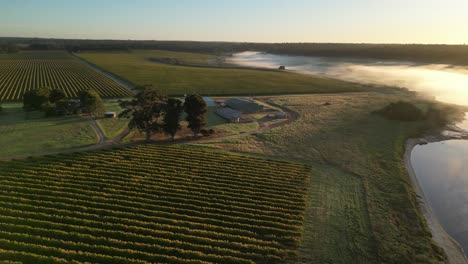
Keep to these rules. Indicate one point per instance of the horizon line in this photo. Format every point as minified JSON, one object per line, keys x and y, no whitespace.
{"x":248,"y":42}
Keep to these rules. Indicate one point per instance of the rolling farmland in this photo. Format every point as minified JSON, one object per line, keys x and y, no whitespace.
{"x":24,"y":71}
{"x":151,"y":204}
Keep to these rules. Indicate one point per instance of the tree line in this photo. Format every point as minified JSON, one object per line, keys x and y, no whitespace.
{"x":151,"y":112}
{"x":8,"y":48}
{"x":450,"y":54}
{"x":53,"y":102}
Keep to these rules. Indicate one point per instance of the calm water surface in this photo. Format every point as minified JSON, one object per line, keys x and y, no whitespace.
{"x":442,"y":171}
{"x":441,"y":168}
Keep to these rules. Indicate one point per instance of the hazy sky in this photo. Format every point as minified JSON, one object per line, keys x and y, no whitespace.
{"x":375,"y":21}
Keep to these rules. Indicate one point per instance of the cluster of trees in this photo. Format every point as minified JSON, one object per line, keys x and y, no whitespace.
{"x":8,"y":48}
{"x":436,"y":116}
{"x":54,"y":102}
{"x":151,"y":112}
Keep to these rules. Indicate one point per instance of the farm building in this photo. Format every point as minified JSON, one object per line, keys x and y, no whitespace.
{"x":110,"y":114}
{"x":281,"y":115}
{"x":243,"y":105}
{"x":210,"y":102}
{"x":221,"y":102}
{"x":231,"y":115}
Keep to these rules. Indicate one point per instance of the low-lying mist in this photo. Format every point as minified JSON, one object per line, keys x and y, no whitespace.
{"x":443,"y":82}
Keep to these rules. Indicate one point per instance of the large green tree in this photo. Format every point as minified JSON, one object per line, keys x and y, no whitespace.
{"x":173,"y":111}
{"x":196,"y":110}
{"x":91,"y":101}
{"x":35,"y":99}
{"x":56,"y":95}
{"x":145,"y":111}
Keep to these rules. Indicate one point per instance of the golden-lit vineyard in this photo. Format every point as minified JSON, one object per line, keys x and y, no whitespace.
{"x":24,"y":71}
{"x":157,"y":204}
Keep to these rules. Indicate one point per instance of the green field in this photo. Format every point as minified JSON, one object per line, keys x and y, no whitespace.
{"x":361,"y":207}
{"x":151,"y":204}
{"x":137,"y":68}
{"x":28,"y":133}
{"x":24,"y":71}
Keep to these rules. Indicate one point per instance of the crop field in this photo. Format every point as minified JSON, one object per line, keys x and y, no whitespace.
{"x":158,"y":204}
{"x":55,"y":69}
{"x":139,"y":68}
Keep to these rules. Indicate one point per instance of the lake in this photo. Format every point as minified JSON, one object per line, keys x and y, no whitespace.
{"x":442,"y":172}
{"x":442,"y":167}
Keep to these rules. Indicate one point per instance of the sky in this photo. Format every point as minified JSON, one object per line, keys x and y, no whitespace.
{"x":341,"y":21}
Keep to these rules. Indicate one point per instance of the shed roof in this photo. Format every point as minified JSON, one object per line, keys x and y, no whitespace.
{"x":243,"y":105}
{"x":228,"y":113}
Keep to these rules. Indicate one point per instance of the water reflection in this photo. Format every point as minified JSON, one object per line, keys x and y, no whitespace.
{"x":445,"y":83}
{"x":442,"y":171}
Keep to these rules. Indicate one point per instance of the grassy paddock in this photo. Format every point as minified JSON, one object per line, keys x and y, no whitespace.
{"x":28,"y":133}
{"x":178,"y":80}
{"x":362,"y":208}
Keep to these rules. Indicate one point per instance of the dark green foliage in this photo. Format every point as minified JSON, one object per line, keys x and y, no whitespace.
{"x":67,"y":107}
{"x":196,"y":110}
{"x":91,"y":101}
{"x":207,"y":132}
{"x":56,"y":95}
{"x":9,"y":48}
{"x":1,"y":108}
{"x":401,"y":111}
{"x":49,"y":110}
{"x":437,"y":116}
{"x":145,"y":111}
{"x":35,"y":99}
{"x":171,"y":119}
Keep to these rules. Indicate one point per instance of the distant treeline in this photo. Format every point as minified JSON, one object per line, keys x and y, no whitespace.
{"x":450,"y":54}
{"x":8,"y":48}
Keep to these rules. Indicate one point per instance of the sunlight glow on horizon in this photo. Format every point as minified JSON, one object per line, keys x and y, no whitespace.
{"x":357,"y":21}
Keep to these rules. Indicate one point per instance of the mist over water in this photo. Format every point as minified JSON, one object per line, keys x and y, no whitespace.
{"x":442,"y":82}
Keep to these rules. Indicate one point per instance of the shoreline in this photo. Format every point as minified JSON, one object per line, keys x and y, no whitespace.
{"x":453,"y":250}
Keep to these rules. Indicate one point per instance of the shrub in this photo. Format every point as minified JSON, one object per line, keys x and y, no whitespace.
{"x":56,"y":95}
{"x":437,"y":117}
{"x":205,"y":132}
{"x":401,"y":111}
{"x":49,"y":110}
